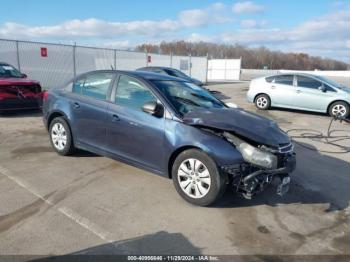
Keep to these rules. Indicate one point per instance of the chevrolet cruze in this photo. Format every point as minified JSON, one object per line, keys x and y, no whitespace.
{"x":172,"y":128}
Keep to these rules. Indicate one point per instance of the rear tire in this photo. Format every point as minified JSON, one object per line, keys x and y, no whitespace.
{"x":339,"y":108}
{"x":263,"y":102}
{"x":197,"y":179}
{"x":61,"y":137}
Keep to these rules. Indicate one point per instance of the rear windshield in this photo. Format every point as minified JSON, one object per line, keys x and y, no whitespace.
{"x":7,"y":71}
{"x":175,"y":73}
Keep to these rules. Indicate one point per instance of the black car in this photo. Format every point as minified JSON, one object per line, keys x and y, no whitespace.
{"x":177,"y":73}
{"x":171,"y":72}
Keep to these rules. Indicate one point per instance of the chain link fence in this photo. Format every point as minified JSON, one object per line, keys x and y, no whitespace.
{"x":54,"y":64}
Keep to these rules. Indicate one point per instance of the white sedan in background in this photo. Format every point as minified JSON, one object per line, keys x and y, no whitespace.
{"x":300,"y":91}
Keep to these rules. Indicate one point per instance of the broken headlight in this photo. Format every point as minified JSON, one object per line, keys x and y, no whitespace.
{"x":252,"y":154}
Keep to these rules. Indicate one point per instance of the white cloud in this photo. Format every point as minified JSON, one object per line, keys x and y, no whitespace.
{"x":246,"y":7}
{"x":251,"y":23}
{"x":328,"y":36}
{"x":200,"y":17}
{"x":122,"y":44}
{"x":195,"y":37}
{"x":88,"y":28}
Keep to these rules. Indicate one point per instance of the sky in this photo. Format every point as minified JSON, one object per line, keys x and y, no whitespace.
{"x":317,"y":27}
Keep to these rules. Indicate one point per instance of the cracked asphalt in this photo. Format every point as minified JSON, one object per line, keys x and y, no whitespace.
{"x":87,"y":204}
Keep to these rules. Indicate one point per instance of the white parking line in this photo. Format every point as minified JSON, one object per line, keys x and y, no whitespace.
{"x":69,"y":213}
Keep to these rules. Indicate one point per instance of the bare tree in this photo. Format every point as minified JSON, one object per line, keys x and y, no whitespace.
{"x":252,"y":58}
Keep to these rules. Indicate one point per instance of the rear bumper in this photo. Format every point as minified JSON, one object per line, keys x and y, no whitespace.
{"x":250,"y":97}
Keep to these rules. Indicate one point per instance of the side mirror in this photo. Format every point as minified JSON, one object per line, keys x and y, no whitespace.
{"x":24,"y":76}
{"x":322,"y":88}
{"x":153,"y":108}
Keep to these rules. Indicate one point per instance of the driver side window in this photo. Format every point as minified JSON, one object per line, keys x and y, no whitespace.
{"x":307,"y":82}
{"x":132,"y":94}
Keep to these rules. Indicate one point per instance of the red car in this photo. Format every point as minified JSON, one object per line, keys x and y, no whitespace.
{"x":16,"y":91}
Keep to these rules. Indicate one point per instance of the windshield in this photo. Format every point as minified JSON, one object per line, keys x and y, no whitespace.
{"x":7,"y":71}
{"x":176,"y":73}
{"x":187,"y":97}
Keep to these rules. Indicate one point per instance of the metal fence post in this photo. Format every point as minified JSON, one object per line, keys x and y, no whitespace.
{"x":74,"y":62}
{"x":115,"y":59}
{"x":240,"y":68}
{"x":190,"y":58}
{"x":18,"y":60}
{"x":171,"y":59}
{"x":207,"y":69}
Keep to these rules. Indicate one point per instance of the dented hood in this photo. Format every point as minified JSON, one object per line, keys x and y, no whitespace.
{"x":252,"y":126}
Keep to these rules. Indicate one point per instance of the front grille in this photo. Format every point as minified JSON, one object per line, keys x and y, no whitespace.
{"x":20,"y":97}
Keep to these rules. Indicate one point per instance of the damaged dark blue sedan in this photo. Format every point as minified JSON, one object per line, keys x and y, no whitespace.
{"x":170,"y":127}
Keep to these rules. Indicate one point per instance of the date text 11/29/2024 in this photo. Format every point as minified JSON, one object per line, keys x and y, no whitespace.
{"x":173,"y":258}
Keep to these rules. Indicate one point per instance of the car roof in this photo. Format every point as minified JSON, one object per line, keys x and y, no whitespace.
{"x":294,"y":73}
{"x":313,"y":76}
{"x":142,"y":74}
{"x":156,"y":67}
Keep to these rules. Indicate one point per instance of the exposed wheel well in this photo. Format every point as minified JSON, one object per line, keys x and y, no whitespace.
{"x":52,"y":117}
{"x":261,"y":94}
{"x":330,"y":104}
{"x":174,"y":156}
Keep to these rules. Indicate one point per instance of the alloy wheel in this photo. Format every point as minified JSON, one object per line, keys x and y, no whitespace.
{"x":262,"y":102}
{"x":194,"y":178}
{"x":339,"y":110}
{"x":59,"y":136}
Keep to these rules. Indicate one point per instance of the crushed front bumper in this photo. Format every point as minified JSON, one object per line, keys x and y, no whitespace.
{"x":249,"y":180}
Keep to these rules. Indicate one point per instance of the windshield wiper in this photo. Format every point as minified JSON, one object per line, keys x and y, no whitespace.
{"x":186,"y":100}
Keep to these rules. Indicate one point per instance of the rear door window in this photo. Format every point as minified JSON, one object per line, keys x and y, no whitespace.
{"x":308,"y":82}
{"x":77,"y":86}
{"x":284,"y":80}
{"x":96,"y":85}
{"x":160,"y":71}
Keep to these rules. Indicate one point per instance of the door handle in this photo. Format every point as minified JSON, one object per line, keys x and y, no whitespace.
{"x":298,"y":91}
{"x":273,"y":87}
{"x":76,"y":105}
{"x":115,"y":118}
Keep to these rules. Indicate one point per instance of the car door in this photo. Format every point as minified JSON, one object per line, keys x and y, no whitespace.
{"x":312,"y":94}
{"x":88,"y":102}
{"x":133,"y":134}
{"x":281,"y":90}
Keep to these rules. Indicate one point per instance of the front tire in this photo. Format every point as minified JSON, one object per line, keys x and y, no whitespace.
{"x":339,"y":109}
{"x":197,"y":179}
{"x":263,"y":102}
{"x":61,"y":137}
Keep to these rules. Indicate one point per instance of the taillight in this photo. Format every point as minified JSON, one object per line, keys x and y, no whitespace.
{"x":45,"y":95}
